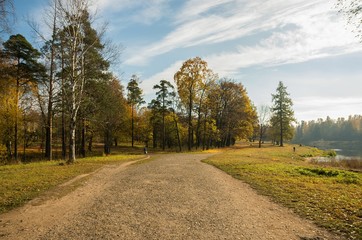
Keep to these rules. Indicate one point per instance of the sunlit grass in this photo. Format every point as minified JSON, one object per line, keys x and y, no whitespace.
{"x":329,"y":196}
{"x":23,"y":182}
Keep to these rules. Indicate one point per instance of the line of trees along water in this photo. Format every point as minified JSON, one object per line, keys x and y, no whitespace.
{"x":342,"y":133}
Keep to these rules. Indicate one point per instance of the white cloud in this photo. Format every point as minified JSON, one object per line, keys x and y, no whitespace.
{"x":317,"y":31}
{"x":166,"y":74}
{"x":141,"y":11}
{"x":308,"y":108}
{"x":193,"y":8}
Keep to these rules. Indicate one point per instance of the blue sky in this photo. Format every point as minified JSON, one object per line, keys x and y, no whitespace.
{"x":304,"y":43}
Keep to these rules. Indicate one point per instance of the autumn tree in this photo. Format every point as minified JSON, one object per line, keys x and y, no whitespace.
{"x":202,"y":108}
{"x":282,"y":114}
{"x":233,"y":112}
{"x":23,"y":66}
{"x":8,"y":109}
{"x":190,"y":81}
{"x":134,"y":98}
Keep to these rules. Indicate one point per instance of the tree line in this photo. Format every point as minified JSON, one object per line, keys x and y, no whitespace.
{"x":63,"y":96}
{"x":341,"y":129}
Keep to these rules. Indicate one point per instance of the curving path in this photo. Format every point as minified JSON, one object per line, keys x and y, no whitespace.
{"x":173,"y":197}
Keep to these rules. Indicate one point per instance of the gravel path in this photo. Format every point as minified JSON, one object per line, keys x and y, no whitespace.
{"x":173,"y":197}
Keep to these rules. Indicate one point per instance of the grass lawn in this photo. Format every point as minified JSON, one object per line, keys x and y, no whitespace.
{"x":329,"y":196}
{"x":23,"y":182}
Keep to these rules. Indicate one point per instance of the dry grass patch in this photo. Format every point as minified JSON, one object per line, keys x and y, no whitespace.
{"x":329,"y":196}
{"x":23,"y":182}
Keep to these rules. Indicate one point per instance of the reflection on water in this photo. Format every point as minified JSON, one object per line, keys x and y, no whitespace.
{"x":342,"y":148}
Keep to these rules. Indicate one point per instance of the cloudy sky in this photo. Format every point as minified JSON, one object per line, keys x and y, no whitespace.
{"x":304,"y":43}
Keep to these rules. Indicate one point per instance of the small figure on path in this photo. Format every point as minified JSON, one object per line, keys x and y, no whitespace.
{"x":293,"y":149}
{"x":145,"y":150}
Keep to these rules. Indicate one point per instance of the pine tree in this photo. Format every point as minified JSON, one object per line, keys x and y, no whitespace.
{"x":166,"y":90}
{"x":134,"y":98}
{"x":24,"y":68}
{"x":282,"y":114}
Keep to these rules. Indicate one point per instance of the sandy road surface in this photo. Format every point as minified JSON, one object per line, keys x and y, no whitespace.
{"x":174,"y":197}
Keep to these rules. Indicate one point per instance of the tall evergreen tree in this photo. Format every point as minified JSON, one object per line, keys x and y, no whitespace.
{"x":134,"y":97}
{"x":165,"y":91}
{"x":24,"y":68}
{"x":282,"y":114}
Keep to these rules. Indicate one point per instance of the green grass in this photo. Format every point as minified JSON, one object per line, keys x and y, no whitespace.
{"x":23,"y":182}
{"x":331,"y":197}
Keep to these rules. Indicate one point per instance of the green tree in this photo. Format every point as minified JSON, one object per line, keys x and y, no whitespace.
{"x":164,"y":94}
{"x":80,"y":60}
{"x":109,"y":107}
{"x":134,"y":98}
{"x":24,"y":67}
{"x":282,"y":114}
{"x":155,"y":120}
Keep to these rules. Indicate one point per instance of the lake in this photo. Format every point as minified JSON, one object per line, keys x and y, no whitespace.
{"x":342,"y":148}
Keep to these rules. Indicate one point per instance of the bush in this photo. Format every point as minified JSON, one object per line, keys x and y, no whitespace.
{"x":330,"y":153}
{"x":318,"y":172}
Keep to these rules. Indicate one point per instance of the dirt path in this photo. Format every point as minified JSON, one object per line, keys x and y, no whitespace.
{"x":174,"y":197}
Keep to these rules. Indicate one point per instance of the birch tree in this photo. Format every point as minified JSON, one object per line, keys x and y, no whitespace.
{"x":71,"y":17}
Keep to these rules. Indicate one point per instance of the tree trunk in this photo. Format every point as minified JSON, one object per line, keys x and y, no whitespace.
{"x":154,"y":138}
{"x":17,"y":113}
{"x":49,"y":126}
{"x":82,"y":146}
{"x":64,"y":143}
{"x":132,"y":127}
{"x":24,"y":140}
{"x":189,"y":140}
{"x":107,"y":149}
{"x":178,"y":134}
{"x":204,"y":135}
{"x":90,"y":143}
{"x":72,"y":128}
{"x":260,"y":135}
{"x":281,"y":128}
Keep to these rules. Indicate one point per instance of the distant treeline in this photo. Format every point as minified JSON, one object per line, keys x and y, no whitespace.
{"x":329,"y":129}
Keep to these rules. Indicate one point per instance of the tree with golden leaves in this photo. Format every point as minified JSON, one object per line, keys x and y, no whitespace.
{"x":190,"y":81}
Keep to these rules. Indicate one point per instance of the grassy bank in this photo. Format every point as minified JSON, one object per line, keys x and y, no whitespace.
{"x":331,"y":197}
{"x":23,"y":182}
